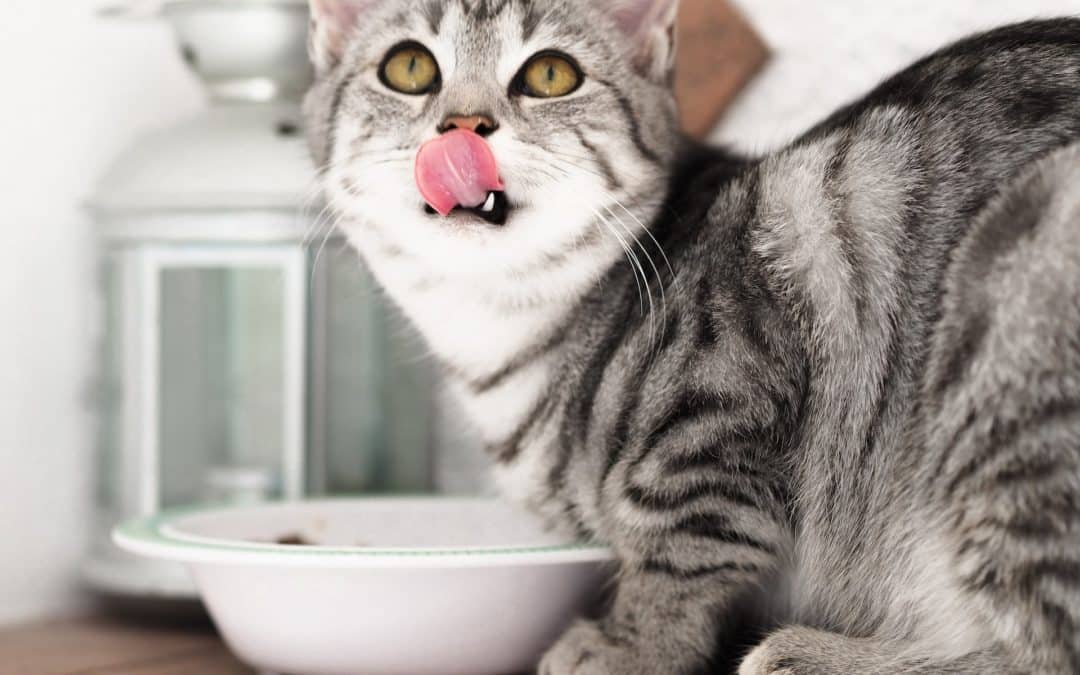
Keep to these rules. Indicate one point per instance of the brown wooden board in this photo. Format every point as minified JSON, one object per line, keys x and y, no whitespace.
{"x":719,"y":53}
{"x":105,"y":646}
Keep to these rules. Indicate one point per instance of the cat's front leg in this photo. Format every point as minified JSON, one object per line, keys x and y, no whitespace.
{"x":694,"y":495}
{"x":697,"y":550}
{"x":659,"y":625}
{"x":666,"y":619}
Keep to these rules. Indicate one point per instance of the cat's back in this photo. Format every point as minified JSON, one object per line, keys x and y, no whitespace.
{"x":1020,"y":74}
{"x":856,"y":224}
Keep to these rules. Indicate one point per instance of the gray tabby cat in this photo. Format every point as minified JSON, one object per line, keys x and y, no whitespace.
{"x":832,"y":393}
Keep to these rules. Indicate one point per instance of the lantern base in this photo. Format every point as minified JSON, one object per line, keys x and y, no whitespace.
{"x":118,"y":575}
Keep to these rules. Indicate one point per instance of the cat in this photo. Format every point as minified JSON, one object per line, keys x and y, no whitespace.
{"x":830,"y":394}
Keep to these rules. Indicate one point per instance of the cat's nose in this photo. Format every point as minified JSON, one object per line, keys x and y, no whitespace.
{"x":480,"y":124}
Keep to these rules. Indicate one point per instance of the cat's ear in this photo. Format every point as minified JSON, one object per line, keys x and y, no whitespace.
{"x":649,"y":29}
{"x":333,"y":23}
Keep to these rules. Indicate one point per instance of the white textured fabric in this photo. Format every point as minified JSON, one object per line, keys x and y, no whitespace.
{"x":830,"y":52}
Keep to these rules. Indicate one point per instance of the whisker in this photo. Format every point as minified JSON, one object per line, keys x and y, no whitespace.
{"x":323,"y":224}
{"x":314,"y":191}
{"x":388,"y":160}
{"x":629,"y":259}
{"x":630,"y":234}
{"x":659,"y":280}
{"x":635,"y":263}
{"x":319,"y":251}
{"x":320,"y":224}
{"x":667,"y":262}
{"x":573,"y":160}
{"x":615,"y":200}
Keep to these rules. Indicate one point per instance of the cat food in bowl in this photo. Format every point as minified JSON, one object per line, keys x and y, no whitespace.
{"x":439,"y":586}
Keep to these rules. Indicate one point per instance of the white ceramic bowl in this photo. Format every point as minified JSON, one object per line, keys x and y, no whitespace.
{"x":416,"y":586}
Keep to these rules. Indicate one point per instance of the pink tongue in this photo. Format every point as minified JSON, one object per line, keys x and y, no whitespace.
{"x":456,"y":169}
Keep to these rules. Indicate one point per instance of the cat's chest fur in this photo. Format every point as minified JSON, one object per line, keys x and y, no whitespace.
{"x":515,"y":408}
{"x":500,"y":345}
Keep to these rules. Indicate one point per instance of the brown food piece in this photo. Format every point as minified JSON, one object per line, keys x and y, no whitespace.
{"x":718,"y":53}
{"x":293,"y":540}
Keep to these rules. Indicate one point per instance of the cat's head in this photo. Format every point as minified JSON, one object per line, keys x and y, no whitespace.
{"x":573,"y":98}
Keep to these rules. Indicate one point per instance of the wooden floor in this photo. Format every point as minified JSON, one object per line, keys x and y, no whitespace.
{"x":110,"y":646}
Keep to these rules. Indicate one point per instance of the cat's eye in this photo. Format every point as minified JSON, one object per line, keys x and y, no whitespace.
{"x":549,"y":75}
{"x":410,"y":69}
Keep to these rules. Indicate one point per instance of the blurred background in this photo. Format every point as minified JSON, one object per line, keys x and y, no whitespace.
{"x":168,"y":282}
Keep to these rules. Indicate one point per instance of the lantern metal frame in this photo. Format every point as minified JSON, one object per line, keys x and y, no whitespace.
{"x":142,"y":268}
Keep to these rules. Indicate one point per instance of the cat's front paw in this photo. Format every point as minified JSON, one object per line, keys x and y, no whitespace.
{"x":789,"y":651}
{"x":765,"y":660}
{"x":586,"y":650}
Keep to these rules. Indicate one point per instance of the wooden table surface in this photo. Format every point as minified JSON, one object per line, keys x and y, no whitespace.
{"x":113,"y":646}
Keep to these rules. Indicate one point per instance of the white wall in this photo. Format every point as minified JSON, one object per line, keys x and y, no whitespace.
{"x":829,"y":52}
{"x":76,"y":90}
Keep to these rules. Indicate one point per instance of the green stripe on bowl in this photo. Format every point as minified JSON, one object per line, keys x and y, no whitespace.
{"x":150,"y":529}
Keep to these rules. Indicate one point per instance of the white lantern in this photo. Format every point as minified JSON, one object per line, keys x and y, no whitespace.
{"x":244,"y":356}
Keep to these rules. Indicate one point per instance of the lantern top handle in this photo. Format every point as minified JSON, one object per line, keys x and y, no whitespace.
{"x":242,"y":50}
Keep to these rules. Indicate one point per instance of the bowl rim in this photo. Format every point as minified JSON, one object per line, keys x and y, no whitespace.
{"x":157,"y":536}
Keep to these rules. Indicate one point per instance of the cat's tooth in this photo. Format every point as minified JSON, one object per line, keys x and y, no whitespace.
{"x":489,"y":205}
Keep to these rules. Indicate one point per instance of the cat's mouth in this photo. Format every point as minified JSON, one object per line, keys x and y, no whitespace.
{"x":494,"y":211}
{"x":458,"y":178}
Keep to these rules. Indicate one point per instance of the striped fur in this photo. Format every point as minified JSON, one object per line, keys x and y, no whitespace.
{"x":847,"y":411}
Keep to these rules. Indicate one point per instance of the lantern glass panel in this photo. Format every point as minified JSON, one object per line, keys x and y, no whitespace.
{"x":222,"y":382}
{"x":371,"y":390}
